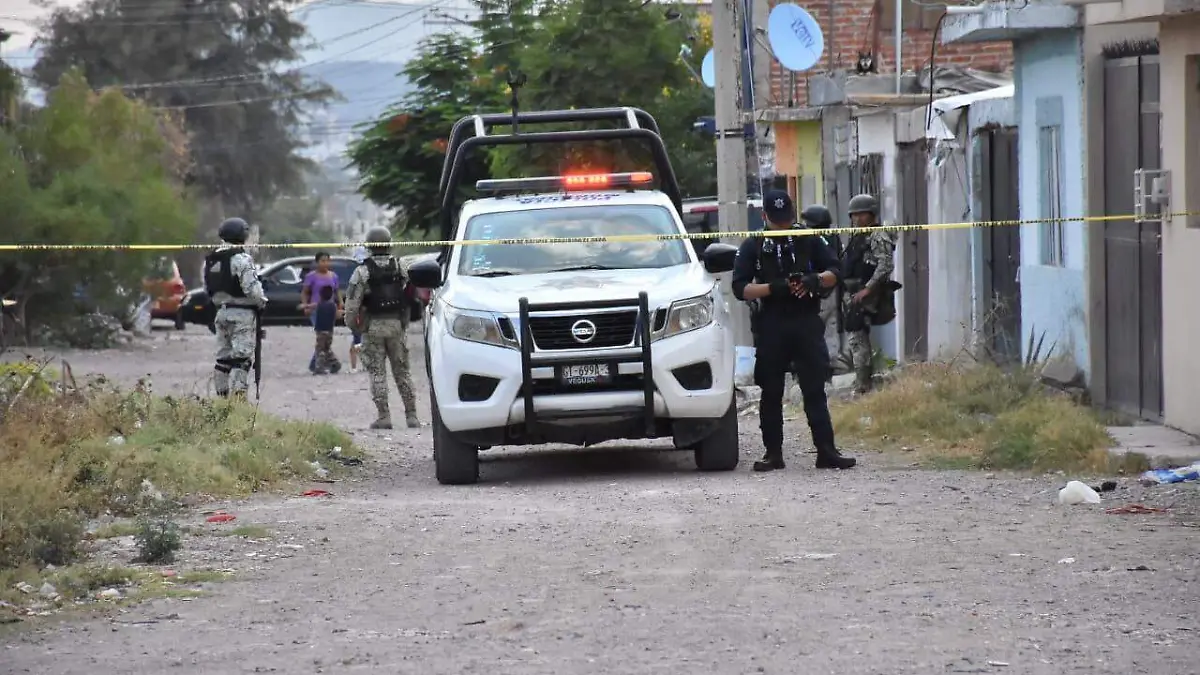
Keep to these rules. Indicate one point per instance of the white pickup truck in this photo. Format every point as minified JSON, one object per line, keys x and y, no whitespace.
{"x":576,"y":342}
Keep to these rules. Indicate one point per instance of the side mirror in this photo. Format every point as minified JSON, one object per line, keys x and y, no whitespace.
{"x":425,"y":274}
{"x":719,"y":257}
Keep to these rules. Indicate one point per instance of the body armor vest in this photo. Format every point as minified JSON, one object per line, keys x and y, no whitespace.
{"x":854,"y":262}
{"x":222,"y":280}
{"x":777,"y":260}
{"x":385,"y":289}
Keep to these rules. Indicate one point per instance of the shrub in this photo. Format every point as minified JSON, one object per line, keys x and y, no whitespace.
{"x":982,"y":416}
{"x":69,"y":457}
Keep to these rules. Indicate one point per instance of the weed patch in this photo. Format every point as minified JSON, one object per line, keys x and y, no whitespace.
{"x":246,"y":531}
{"x":979,"y":416}
{"x":72,"y":455}
{"x":29,"y":592}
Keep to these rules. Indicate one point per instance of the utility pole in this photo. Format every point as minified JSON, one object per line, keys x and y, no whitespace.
{"x":731,"y":141}
{"x":764,"y":143}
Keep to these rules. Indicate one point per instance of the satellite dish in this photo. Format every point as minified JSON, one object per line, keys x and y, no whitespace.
{"x":795,"y":37}
{"x":708,"y":69}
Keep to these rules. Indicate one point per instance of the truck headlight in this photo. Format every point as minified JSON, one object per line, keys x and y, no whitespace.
{"x":688,"y":315}
{"x":474,"y":326}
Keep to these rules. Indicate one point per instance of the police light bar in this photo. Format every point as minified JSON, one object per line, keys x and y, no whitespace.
{"x":578,"y":182}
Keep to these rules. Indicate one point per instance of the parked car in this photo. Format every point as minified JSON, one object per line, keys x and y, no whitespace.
{"x":700,"y":215}
{"x":166,"y":290}
{"x":282,"y":281}
{"x":420,"y":294}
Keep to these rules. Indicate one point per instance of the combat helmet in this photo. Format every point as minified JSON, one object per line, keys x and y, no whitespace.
{"x":379,"y":239}
{"x":817,"y":216}
{"x":863,"y":203}
{"x":234,"y":231}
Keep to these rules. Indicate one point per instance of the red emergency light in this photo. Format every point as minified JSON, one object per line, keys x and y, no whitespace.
{"x":576,"y":182}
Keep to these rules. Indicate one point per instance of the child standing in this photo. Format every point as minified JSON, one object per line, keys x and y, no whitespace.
{"x":324,"y":318}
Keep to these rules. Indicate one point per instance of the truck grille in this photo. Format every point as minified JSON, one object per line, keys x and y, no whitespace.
{"x":612,"y":329}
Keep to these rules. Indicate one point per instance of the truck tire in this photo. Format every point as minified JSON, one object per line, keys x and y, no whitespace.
{"x":719,"y":451}
{"x":455,"y":462}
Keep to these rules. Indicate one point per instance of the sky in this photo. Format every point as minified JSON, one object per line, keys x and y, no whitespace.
{"x":360,"y":47}
{"x":389,"y":29}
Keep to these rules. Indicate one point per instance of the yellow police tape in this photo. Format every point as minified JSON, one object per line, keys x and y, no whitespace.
{"x":601,"y":238}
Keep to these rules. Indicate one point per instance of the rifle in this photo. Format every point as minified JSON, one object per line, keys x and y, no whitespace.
{"x":258,"y":338}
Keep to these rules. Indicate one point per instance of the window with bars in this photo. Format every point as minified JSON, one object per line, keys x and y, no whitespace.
{"x":1050,"y":154}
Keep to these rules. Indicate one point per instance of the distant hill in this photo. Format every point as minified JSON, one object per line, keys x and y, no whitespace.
{"x":369,"y":88}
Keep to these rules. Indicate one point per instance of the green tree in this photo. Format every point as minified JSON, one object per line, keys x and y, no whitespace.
{"x":218,"y":62}
{"x":597,"y":53}
{"x":575,"y":54}
{"x":293,"y":220}
{"x":400,"y":157}
{"x":87,"y":168}
{"x":10,"y":87}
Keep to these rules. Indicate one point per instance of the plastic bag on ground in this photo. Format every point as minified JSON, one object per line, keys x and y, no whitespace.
{"x":1179,"y":475}
{"x":1078,"y":493}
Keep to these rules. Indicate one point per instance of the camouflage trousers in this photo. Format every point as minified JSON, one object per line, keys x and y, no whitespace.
{"x":385,"y":340}
{"x":235,"y":328}
{"x":861,"y":355}
{"x":326,"y":360}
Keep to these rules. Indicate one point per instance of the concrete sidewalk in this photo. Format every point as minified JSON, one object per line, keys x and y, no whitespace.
{"x":1165,"y":447}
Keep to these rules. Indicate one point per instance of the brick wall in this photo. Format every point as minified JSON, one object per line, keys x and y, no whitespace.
{"x":854,"y":28}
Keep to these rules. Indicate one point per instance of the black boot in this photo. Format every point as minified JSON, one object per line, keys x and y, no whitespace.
{"x":829,"y":457}
{"x":771,"y":460}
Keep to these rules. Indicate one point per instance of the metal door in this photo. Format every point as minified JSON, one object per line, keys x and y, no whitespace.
{"x":1132,"y":255}
{"x":912,"y":180}
{"x":999,"y":200}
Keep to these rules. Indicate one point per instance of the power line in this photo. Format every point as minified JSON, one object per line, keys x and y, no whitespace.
{"x":243,"y":76}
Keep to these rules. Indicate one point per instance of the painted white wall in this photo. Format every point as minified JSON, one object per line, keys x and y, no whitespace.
{"x":950,"y":251}
{"x":877,"y":135}
{"x":1179,"y":59}
{"x":1053,"y":298}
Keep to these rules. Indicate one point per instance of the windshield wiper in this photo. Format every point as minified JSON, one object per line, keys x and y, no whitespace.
{"x":495,"y":273}
{"x":577,"y":268}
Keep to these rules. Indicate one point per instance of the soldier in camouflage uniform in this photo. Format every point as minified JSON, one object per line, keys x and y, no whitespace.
{"x":233,"y":284}
{"x":866,"y":271}
{"x":376,"y":306}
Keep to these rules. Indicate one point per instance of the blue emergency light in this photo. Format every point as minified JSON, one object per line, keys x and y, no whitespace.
{"x":578,"y":182}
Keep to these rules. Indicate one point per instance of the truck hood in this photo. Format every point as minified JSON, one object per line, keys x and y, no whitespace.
{"x":503,"y":294}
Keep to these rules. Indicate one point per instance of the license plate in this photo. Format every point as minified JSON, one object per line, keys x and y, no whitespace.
{"x":585,"y":373}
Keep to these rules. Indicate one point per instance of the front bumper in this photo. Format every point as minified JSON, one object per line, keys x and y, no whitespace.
{"x":488,"y":387}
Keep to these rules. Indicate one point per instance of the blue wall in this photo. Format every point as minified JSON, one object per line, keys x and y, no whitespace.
{"x":1049,"y":91}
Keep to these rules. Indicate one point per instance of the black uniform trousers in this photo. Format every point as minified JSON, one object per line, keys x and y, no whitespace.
{"x":792,"y":339}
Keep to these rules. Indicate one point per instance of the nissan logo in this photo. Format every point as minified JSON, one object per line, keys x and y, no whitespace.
{"x":583,"y":331}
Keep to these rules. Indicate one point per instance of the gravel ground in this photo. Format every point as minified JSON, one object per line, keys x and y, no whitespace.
{"x":625,"y":560}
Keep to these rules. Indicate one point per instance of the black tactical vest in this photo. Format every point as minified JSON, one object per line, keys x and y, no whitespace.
{"x":222,"y":280}
{"x":385,"y":289}
{"x":854,"y":261}
{"x":777,"y":260}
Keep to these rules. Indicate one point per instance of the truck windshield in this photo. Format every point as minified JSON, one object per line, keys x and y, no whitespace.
{"x":571,"y":221}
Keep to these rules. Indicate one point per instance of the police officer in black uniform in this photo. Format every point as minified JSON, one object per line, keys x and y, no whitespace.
{"x":788,"y":275}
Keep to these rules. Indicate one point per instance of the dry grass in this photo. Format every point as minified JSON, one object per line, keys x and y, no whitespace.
{"x":979,"y":417}
{"x":67,"y":457}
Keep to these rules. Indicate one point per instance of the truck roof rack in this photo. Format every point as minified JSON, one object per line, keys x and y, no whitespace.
{"x":639,"y":126}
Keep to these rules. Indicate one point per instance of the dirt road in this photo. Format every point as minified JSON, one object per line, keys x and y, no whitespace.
{"x":623,"y":560}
